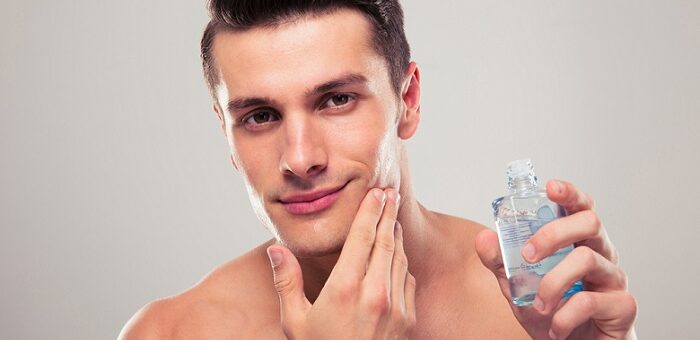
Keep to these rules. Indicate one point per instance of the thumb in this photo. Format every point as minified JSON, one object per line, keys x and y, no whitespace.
{"x":489,"y":251}
{"x":486,"y":244}
{"x":288,"y":283}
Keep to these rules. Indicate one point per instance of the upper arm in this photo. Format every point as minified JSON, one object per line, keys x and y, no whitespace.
{"x":145,"y":324}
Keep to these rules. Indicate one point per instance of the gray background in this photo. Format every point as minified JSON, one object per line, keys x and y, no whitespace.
{"x":116,"y":188}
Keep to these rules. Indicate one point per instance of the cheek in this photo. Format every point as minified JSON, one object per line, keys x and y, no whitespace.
{"x":386,"y":169}
{"x":373,"y":143}
{"x":255,"y":157}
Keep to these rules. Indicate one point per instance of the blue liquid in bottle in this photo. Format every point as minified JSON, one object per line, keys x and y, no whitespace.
{"x":519,"y":216}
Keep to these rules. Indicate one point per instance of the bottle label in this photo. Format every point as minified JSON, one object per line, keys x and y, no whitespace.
{"x":516,"y":231}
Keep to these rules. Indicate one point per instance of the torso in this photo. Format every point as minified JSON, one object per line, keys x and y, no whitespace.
{"x":462,"y":302}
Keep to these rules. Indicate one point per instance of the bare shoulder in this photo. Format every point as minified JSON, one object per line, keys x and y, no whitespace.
{"x":473,"y":288}
{"x":144,"y":324}
{"x":237,"y":299}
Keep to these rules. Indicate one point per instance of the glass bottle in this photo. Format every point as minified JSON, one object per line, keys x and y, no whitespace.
{"x":518,"y":216}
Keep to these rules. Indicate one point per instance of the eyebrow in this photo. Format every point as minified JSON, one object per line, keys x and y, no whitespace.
{"x":348,"y":79}
{"x":237,"y":104}
{"x":244,"y":103}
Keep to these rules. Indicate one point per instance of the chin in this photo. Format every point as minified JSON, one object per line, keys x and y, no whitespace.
{"x":314,"y":238}
{"x":315,"y":250}
{"x":317,"y":243}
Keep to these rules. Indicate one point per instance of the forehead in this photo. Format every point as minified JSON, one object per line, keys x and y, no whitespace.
{"x":296,"y":55}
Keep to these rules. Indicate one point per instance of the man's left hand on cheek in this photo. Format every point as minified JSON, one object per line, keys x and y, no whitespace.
{"x":605,"y":309}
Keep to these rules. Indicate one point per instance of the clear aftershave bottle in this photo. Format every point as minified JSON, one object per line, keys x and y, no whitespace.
{"x":518,"y":216}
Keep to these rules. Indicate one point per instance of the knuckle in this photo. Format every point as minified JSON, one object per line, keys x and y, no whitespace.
{"x":586,"y":302}
{"x":284,"y":285}
{"x":401,"y":261}
{"x":561,"y":323}
{"x":378,"y":301}
{"x":586,"y":256}
{"x":386,"y":245}
{"x":592,"y":219}
{"x":630,"y":302}
{"x":345,"y":291}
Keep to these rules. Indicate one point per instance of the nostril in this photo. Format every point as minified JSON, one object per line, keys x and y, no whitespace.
{"x":315,"y":170}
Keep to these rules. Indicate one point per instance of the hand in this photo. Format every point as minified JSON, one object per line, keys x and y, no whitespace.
{"x":369,"y":294}
{"x":605,"y":310}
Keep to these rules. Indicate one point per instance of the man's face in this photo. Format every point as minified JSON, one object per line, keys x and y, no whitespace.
{"x":311,"y":118}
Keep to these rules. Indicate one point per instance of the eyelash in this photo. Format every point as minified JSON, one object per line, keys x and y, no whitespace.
{"x":244,"y":120}
{"x":350,"y":99}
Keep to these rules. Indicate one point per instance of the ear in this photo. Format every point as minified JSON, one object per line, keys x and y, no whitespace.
{"x":410,"y":95}
{"x":233,"y":163}
{"x":219,"y":115}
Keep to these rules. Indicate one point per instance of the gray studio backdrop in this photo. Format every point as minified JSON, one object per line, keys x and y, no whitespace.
{"x":116,"y":187}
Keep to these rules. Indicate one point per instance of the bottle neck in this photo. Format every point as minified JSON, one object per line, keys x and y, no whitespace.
{"x":523,"y":184}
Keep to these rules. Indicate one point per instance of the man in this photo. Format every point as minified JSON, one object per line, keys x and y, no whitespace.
{"x":315,"y":99}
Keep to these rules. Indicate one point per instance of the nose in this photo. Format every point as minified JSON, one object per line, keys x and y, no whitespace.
{"x":304,"y":153}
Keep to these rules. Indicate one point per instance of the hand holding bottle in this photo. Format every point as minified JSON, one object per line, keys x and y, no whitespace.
{"x":369,"y":294}
{"x":605,"y":310}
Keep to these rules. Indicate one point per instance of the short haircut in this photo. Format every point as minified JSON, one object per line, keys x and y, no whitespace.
{"x":386,"y":17}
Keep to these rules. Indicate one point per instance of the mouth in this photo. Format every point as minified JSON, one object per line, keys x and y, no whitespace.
{"x":311,"y":202}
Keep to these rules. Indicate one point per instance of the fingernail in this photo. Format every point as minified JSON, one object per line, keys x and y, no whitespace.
{"x":559,"y":186}
{"x":552,"y":335}
{"x":537,"y":304}
{"x":275,"y":256}
{"x":398,"y":198}
{"x":379,"y":194}
{"x":529,"y":251}
{"x":397,"y":226}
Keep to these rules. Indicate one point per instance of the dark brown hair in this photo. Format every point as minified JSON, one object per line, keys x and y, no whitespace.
{"x":386,"y":17}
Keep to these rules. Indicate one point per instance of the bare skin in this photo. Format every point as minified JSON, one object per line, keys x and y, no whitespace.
{"x":308,"y":106}
{"x":457,"y":299}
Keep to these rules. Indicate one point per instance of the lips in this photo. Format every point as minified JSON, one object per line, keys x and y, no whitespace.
{"x":311,"y":202}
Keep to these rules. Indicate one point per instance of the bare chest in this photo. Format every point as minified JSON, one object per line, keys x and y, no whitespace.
{"x":454,"y":307}
{"x":460,"y":316}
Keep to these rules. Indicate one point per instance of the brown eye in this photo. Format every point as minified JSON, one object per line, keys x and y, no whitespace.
{"x":260,"y":117}
{"x":338,"y":100}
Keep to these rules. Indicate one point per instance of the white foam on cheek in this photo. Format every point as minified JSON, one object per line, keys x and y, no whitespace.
{"x":386,"y":172}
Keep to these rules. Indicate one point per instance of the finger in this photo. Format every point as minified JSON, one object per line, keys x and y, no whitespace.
{"x":597,"y":273}
{"x":379,"y":269}
{"x":289,"y":284}
{"x":581,"y":228}
{"x":399,"y":270}
{"x":613,"y":313}
{"x":568,"y":196}
{"x":352,"y":262}
{"x":410,"y":296}
{"x":489,"y":251}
